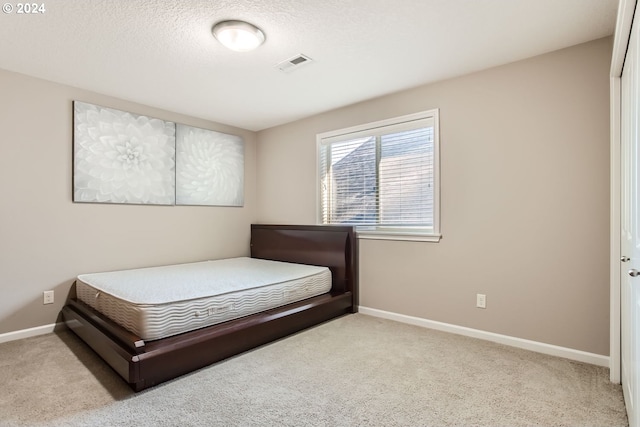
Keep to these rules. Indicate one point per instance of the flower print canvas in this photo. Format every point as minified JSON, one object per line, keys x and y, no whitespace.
{"x":121,"y":157}
{"x":209,"y":167}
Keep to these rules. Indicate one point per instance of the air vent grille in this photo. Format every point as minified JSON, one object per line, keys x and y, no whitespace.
{"x":294,"y":62}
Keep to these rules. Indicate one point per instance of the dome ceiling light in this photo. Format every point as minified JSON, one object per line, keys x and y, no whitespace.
{"x":238,"y":35}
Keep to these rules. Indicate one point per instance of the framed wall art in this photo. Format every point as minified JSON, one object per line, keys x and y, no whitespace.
{"x":120,"y":157}
{"x":209,"y":167}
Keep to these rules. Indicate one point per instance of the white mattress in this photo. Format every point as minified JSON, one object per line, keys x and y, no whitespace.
{"x":158,"y":302}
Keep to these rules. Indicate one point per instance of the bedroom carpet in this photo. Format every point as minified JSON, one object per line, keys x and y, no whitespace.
{"x":353,"y":371}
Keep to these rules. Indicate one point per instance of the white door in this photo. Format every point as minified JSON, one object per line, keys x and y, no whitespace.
{"x":630,"y":229}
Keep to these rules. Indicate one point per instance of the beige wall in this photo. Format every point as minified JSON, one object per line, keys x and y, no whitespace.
{"x":525,"y":199}
{"x":46,"y":239}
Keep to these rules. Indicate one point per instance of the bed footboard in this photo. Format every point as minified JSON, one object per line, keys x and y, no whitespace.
{"x":154,"y":362}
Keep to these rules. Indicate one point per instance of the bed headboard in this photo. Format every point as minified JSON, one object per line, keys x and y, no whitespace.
{"x":327,"y":245}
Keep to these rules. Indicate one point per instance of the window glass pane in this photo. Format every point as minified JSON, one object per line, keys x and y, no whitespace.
{"x":352,"y":182}
{"x":406,"y":178}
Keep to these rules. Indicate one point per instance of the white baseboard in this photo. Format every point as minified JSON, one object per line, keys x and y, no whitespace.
{"x":26,"y":333}
{"x":553,"y":350}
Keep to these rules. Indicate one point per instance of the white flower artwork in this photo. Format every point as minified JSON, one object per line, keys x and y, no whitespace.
{"x":121,"y":157}
{"x":209,"y":167}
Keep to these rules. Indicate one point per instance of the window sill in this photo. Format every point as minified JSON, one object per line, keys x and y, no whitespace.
{"x":406,"y":236}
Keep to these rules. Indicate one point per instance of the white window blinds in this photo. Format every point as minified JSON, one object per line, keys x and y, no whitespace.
{"x":381,"y":176}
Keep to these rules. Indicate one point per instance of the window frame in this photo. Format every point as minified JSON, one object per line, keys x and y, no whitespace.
{"x":382,"y":232}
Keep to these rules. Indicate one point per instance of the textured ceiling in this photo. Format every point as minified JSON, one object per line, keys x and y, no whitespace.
{"x":161,"y":53}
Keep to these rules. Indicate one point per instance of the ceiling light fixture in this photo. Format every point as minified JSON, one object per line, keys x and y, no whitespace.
{"x":238,"y":35}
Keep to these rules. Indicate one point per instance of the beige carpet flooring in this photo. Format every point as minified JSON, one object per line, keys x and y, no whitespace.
{"x":353,"y":371}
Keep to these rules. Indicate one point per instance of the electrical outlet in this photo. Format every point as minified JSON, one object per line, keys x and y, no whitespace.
{"x":48,"y":297}
{"x":481,"y":301}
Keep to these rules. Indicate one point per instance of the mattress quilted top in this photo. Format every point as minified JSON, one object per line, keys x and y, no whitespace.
{"x":166,"y":284}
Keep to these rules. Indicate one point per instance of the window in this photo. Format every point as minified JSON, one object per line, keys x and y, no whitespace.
{"x":383,"y":178}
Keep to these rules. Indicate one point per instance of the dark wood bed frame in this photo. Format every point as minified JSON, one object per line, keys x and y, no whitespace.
{"x":145,"y":364}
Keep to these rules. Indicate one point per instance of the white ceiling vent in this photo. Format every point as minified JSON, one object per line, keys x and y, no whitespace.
{"x":293,"y":63}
